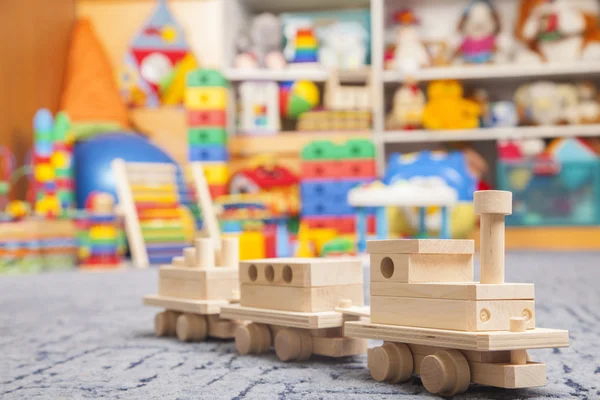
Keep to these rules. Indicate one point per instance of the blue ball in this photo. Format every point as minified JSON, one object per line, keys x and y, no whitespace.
{"x":93,"y":157}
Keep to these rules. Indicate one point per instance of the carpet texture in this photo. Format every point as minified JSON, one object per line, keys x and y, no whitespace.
{"x":86,"y":335}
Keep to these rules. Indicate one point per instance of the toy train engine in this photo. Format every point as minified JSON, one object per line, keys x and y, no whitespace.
{"x":437,"y":322}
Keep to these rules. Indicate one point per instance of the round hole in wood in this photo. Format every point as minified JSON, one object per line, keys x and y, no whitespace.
{"x":387,"y":267}
{"x":287,"y":274}
{"x":269,"y":273}
{"x":527,"y":314}
{"x":252,"y":272}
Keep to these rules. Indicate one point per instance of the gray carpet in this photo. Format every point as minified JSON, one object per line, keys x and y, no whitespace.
{"x":87,"y":335}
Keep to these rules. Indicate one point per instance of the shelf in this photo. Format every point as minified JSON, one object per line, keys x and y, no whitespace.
{"x":293,"y":74}
{"x":523,"y":132}
{"x":304,"y":5}
{"x":506,"y":71}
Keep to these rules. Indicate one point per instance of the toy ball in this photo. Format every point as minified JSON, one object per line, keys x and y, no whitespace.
{"x":298,"y":97}
{"x":18,"y":209}
{"x":93,"y":159}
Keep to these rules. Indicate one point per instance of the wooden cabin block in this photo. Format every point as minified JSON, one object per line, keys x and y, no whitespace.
{"x":422,"y":267}
{"x":421,"y":246}
{"x":300,"y":299}
{"x":301,"y":272}
{"x":455,"y":291}
{"x":176,"y":272}
{"x":199,"y":289}
{"x":460,"y":315}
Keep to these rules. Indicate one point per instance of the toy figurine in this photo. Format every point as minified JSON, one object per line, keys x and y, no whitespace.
{"x":447,"y":109}
{"x":503,"y":114}
{"x":407,"y":110}
{"x":547,"y":103}
{"x":260,"y":45}
{"x":411,"y":52}
{"x":559,"y":30}
{"x":343,"y":46}
{"x":589,"y":108}
{"x":479,"y":27}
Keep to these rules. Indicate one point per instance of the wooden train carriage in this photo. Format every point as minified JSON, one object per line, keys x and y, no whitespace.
{"x":437,"y":322}
{"x":192,"y":291}
{"x":291,"y":305}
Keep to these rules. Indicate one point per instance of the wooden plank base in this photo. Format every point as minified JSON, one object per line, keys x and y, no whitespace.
{"x":480,"y":341}
{"x":326,"y":319}
{"x":202,"y":307}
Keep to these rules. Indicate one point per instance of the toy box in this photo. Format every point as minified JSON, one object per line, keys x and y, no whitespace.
{"x":552,"y":193}
{"x":353,"y":26}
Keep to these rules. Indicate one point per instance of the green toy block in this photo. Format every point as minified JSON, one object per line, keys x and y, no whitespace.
{"x":207,"y":136}
{"x":357,"y":148}
{"x":319,"y":150}
{"x":206,"y":78}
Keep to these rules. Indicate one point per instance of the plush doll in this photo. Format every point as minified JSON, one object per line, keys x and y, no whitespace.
{"x":408,"y":106}
{"x":547,"y":103}
{"x":589,"y":108}
{"x":479,"y":28}
{"x":260,"y":46}
{"x":558,"y":30}
{"x":343,"y":46}
{"x":411,"y":52}
{"x":447,"y":109}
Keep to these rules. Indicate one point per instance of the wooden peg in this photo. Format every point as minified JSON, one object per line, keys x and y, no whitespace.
{"x":492,"y":205}
{"x":230,"y":252}
{"x":205,"y":252}
{"x":518,"y":357}
{"x":190,"y":257}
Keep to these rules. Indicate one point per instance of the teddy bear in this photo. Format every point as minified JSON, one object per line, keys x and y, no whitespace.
{"x":343,"y":46}
{"x":260,"y":45}
{"x":558,"y":31}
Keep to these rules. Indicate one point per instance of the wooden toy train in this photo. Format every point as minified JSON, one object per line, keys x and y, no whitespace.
{"x":434,"y":319}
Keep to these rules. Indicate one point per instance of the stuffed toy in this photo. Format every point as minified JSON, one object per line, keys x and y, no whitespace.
{"x":411,"y":52}
{"x":447,"y":109}
{"x":547,"y":103}
{"x":589,"y":108}
{"x":260,"y":46}
{"x":479,"y":28}
{"x":343,"y":46}
{"x":558,"y":30}
{"x":408,"y":106}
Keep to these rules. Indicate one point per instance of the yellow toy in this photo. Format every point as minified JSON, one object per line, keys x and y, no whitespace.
{"x":447,"y":109}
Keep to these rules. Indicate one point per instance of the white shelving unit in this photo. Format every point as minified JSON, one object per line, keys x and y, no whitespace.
{"x":439,"y":16}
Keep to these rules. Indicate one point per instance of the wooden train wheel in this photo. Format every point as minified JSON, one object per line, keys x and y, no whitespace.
{"x":191,"y":327}
{"x":445,"y":373}
{"x":391,"y":362}
{"x":164,"y":323}
{"x":293,"y":344}
{"x":253,"y":338}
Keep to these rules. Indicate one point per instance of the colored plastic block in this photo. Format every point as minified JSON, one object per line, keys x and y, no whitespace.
{"x":321,"y":189}
{"x":333,"y":207}
{"x":207,"y":136}
{"x":218,"y":190}
{"x":216,"y":174}
{"x":320,"y":222}
{"x":319,"y":150}
{"x":208,"y":153}
{"x":206,"y":98}
{"x":319,"y":169}
{"x":159,"y":259}
{"x":206,"y":78}
{"x":357,"y":148}
{"x":356,"y":168}
{"x":211,"y":118}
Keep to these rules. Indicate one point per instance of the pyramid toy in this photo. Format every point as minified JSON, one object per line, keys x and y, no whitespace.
{"x":90,"y":93}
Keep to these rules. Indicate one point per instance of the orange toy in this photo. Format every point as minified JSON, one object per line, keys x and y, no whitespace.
{"x":91,"y":93}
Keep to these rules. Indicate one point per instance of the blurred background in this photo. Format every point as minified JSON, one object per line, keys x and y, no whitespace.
{"x":318,"y":124}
